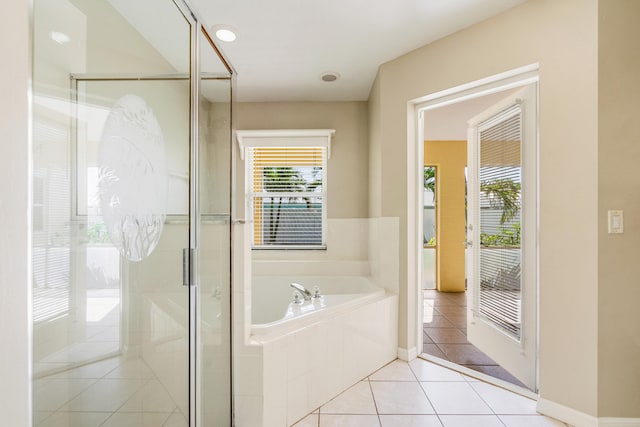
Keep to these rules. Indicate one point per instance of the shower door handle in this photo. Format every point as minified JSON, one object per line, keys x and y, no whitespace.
{"x":188,"y":266}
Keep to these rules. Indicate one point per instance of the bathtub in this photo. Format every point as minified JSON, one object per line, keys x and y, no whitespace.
{"x":273,"y":310}
{"x":300,"y":356}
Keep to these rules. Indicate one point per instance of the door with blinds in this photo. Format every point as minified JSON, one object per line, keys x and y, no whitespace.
{"x":502,"y":233}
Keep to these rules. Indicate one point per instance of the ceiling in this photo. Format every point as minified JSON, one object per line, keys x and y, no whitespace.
{"x":284,"y":46}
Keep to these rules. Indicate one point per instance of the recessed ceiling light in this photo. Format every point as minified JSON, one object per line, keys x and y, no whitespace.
{"x":224,"y":33}
{"x":329,"y":76}
{"x":60,"y":38}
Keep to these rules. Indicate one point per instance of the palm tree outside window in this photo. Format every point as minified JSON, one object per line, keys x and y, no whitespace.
{"x":288,"y":196}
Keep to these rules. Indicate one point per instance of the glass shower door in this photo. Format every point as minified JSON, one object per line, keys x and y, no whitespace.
{"x":112,"y":173}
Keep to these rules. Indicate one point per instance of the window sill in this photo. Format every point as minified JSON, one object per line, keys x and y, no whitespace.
{"x":289,"y":248}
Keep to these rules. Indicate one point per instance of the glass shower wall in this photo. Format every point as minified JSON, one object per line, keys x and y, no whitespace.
{"x":214,"y":197}
{"x":115,"y":166}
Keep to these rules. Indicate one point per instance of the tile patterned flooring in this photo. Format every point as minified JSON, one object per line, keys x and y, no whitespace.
{"x":445,"y":335}
{"x":423,"y":394}
{"x":122,"y":393}
{"x":111,"y":393}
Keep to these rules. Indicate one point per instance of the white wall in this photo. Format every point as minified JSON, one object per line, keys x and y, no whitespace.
{"x":15,"y":319}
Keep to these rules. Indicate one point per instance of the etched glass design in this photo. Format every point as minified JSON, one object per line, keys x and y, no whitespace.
{"x":132,"y":178}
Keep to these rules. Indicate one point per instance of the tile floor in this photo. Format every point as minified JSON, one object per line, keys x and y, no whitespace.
{"x":112,"y":393}
{"x":423,"y":394}
{"x":122,"y":393}
{"x":445,"y":335}
{"x":95,"y":335}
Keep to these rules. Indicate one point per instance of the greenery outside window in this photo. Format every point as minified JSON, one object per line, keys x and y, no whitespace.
{"x":286,"y":188}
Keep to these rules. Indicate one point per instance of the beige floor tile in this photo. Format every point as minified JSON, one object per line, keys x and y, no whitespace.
{"x":146,"y":419}
{"x":454,"y":398}
{"x":176,"y":420}
{"x":505,"y":402}
{"x":40,"y":416}
{"x":152,"y":397}
{"x":400,"y":398}
{"x":427,"y":371}
{"x":410,"y":421}
{"x":94,"y":370}
{"x":75,"y":419}
{"x":56,"y":392}
{"x":106,"y":395}
{"x":310,"y":420}
{"x":394,"y":371}
{"x":356,"y":400}
{"x":349,"y":420}
{"x":470,"y":421}
{"x":131,"y":369}
{"x":530,"y":421}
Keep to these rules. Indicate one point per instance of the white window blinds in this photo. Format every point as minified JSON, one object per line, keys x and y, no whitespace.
{"x":287,"y":196}
{"x":51,"y":224}
{"x":500,"y":207}
{"x":286,"y":186}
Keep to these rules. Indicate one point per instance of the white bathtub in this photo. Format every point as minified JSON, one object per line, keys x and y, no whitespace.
{"x":273,"y":310}
{"x":300,"y":356}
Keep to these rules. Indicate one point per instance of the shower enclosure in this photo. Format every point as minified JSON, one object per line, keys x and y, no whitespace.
{"x":131,"y":216}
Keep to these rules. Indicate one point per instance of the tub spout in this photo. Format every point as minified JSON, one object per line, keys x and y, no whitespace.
{"x":304,"y":291}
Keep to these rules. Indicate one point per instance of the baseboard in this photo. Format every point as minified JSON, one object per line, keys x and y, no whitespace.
{"x":619,"y":422}
{"x":566,"y":414}
{"x":407,"y":354}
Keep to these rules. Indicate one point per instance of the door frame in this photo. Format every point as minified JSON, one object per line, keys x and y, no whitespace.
{"x":511,"y":79}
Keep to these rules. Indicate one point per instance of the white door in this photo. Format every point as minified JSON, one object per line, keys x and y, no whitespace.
{"x":502,"y":233}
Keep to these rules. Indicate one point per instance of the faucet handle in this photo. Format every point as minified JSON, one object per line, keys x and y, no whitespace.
{"x":316,"y":292}
{"x":297,"y":297}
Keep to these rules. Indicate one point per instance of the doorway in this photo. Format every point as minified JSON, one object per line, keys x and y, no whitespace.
{"x":451,"y":321}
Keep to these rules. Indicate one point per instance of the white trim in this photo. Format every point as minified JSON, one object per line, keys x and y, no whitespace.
{"x":407,"y":354}
{"x":618,"y":422}
{"x":566,"y":414}
{"x":518,"y":77}
{"x":580,"y":419}
{"x":284,"y":138}
{"x":487,"y":86}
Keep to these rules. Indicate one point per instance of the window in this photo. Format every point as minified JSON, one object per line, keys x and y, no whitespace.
{"x":286,"y":187}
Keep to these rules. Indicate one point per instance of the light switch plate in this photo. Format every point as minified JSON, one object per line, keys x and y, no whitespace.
{"x":616,"y":222}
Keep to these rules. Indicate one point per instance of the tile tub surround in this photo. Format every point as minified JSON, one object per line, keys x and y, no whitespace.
{"x":423,"y":394}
